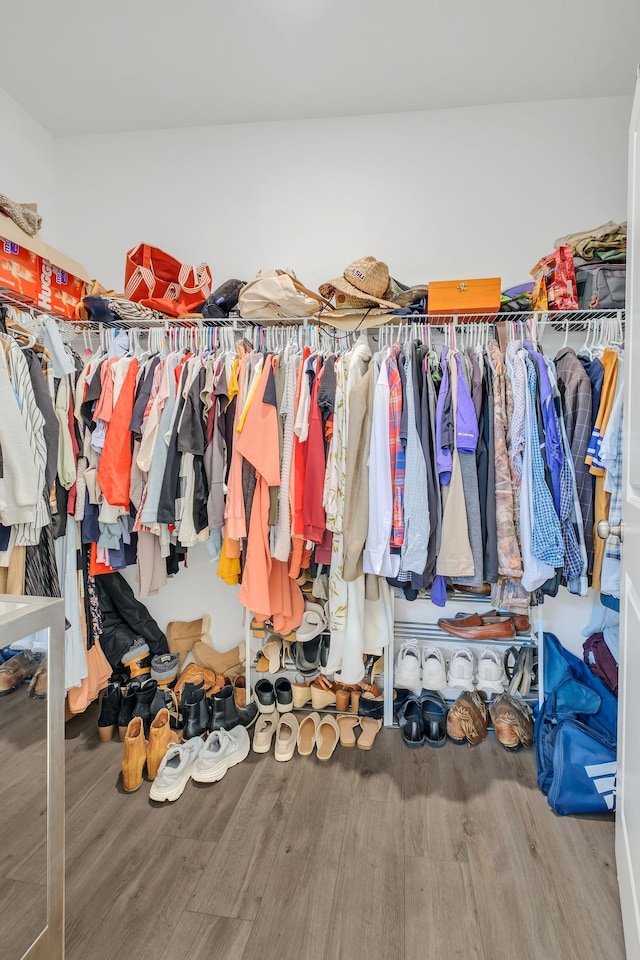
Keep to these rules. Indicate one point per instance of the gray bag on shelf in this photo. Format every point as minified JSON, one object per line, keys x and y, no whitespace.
{"x":601,"y":285}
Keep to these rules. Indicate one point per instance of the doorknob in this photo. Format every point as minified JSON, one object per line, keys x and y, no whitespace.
{"x":605,"y":530}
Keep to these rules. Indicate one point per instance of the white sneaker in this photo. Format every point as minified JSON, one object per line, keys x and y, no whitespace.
{"x":175,"y":770}
{"x":462,"y":669}
{"x":491,"y":675}
{"x":434,"y":669}
{"x":223,"y":749}
{"x":408,"y":667}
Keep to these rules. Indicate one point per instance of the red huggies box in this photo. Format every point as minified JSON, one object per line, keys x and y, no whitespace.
{"x":38,"y":274}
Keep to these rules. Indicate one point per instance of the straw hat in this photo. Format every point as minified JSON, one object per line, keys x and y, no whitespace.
{"x":363,"y":282}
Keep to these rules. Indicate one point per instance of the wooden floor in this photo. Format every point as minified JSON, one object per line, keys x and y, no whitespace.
{"x":23,"y":829}
{"x":450,"y":854}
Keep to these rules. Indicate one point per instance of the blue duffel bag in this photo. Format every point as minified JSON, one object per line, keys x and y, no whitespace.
{"x":575,"y":735}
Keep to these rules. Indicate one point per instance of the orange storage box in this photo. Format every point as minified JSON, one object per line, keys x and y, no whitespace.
{"x":453,"y":297}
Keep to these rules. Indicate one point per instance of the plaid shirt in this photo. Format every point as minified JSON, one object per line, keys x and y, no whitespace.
{"x":611,"y":460}
{"x":546,"y":539}
{"x":575,"y":558}
{"x":576,"y":393}
{"x":396,"y":449}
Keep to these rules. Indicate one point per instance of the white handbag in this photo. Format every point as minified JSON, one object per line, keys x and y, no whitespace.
{"x":277,"y":295}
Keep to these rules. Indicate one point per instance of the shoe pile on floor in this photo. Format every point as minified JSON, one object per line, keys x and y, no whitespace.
{"x":493,"y":685}
{"x":194,"y":724}
{"x":18,"y":667}
{"x":206,"y":757}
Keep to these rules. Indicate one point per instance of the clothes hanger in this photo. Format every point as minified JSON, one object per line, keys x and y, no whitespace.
{"x":13,"y":326}
{"x":584,"y":349}
{"x":593,"y":347}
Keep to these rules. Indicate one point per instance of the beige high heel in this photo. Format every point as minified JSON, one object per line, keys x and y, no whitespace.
{"x":301,"y":694}
{"x":323,"y":694}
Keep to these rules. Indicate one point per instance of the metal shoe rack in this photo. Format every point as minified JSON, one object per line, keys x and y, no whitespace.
{"x":291,"y":671}
{"x":428,"y":632}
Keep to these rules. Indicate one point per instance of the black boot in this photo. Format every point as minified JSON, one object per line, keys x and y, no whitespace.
{"x":247,"y":714}
{"x":187,"y":695}
{"x":163,"y":698}
{"x":127,"y":704}
{"x":109,"y":712}
{"x":223,"y":710}
{"x":196,"y":713}
{"x":144,"y":697}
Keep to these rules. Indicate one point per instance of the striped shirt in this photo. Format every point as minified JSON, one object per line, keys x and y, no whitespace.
{"x":396,"y":448}
{"x":28,"y":534}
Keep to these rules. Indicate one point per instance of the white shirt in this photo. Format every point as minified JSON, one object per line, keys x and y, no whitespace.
{"x":377,"y":557}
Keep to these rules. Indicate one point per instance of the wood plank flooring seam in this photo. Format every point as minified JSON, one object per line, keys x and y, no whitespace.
{"x":214,"y":916}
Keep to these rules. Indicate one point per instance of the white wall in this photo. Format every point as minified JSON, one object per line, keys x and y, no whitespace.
{"x":436,"y":194}
{"x":439,"y":194}
{"x":27,"y":163}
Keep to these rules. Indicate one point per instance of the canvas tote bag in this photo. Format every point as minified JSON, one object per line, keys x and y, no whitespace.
{"x":159,"y":281}
{"x":277,"y":295}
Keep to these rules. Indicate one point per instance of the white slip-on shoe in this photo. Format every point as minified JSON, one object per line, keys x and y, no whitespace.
{"x":175,"y":770}
{"x":264,"y":731}
{"x":462,"y":669}
{"x":491,"y":675}
{"x":223,"y":749}
{"x":286,"y":737}
{"x":313,"y":623}
{"x":408,"y":667}
{"x":434,"y":669}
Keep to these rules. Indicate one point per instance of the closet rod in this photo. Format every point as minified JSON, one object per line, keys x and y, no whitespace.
{"x":556,"y":318}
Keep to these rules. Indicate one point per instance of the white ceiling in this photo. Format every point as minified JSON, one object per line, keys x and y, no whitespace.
{"x":88,"y":67}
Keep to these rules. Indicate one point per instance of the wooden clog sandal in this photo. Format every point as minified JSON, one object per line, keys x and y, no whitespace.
{"x":258,"y":629}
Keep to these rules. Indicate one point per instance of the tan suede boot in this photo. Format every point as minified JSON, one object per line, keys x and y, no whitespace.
{"x":183,"y":634}
{"x":160,"y":737}
{"x":230,"y":664}
{"x":135,"y":756}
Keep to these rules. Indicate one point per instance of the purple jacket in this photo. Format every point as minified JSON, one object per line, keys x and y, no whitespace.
{"x":466,"y":420}
{"x":444,"y":456}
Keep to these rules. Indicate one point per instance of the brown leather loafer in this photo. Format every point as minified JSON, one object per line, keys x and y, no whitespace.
{"x":483,"y":591}
{"x":478,"y":626}
{"x":500,"y":630}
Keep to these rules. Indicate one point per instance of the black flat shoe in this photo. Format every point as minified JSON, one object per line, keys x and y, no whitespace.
{"x":411,"y":724}
{"x":265,"y":696}
{"x":434,"y":718}
{"x":284,"y":695}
